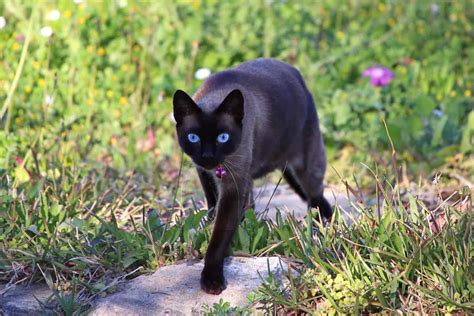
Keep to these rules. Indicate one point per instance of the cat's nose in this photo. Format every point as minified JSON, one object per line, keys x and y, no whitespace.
{"x":207,"y":154}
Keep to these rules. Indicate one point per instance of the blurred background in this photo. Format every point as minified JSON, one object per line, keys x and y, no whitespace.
{"x":85,"y":84}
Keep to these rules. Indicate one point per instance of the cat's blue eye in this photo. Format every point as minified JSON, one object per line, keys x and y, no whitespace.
{"x":223,"y":138}
{"x":193,"y":138}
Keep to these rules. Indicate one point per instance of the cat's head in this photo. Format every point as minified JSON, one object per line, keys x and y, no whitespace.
{"x":208,"y":137}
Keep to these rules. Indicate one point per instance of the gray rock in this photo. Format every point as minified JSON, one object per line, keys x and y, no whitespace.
{"x":288,"y":202}
{"x":25,"y":300}
{"x":175,"y":289}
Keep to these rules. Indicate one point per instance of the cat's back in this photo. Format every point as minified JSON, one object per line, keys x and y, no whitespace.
{"x":267,"y":73}
{"x":264,"y":79}
{"x":267,"y":68}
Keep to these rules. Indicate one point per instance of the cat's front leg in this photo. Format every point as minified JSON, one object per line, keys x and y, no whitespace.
{"x":209,"y":186}
{"x":229,"y":208}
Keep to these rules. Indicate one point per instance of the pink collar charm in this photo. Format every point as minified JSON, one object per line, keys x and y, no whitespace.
{"x":220,"y":172}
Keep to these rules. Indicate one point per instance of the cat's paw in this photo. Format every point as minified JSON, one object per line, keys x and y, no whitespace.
{"x":212,"y":282}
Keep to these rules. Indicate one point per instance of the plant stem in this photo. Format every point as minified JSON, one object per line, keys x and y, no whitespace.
{"x":8,"y":105}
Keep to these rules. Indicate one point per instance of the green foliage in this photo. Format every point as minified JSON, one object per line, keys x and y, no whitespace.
{"x":106,"y":74}
{"x":378,"y":262}
{"x":223,"y":308}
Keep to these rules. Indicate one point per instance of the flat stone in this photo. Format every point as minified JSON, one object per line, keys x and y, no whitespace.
{"x":25,"y":300}
{"x":175,"y":289}
{"x":288,"y":202}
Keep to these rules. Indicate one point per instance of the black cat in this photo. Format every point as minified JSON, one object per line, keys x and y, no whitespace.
{"x":243,"y":123}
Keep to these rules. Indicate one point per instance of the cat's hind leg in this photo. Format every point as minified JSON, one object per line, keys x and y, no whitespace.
{"x":293,"y":182}
{"x":309,"y":172}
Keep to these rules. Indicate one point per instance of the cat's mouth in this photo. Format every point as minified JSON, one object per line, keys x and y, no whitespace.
{"x":208,"y":164}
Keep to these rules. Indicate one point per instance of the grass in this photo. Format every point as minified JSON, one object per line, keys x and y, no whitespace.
{"x":402,"y":260}
{"x":94,"y":190}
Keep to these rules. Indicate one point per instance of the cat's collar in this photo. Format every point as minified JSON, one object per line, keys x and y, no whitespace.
{"x":220,"y":171}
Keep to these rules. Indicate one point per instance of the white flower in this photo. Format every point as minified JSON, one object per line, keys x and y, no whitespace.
{"x":48,"y":99}
{"x":53,"y":15}
{"x":46,"y":31}
{"x":77,"y":1}
{"x":122,"y":3}
{"x":202,"y":73}
{"x":3,"y":22}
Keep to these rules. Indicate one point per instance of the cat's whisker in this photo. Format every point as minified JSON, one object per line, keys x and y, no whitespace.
{"x":231,"y":163}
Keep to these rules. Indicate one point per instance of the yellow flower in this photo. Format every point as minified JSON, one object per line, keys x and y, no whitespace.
{"x":67,"y":14}
{"x":195,"y":4}
{"x":110,"y":94}
{"x":88,"y":137}
{"x":101,"y":51}
{"x":89,"y":102}
{"x":113,"y":141}
{"x":36,"y":65}
{"x":18,"y":120}
{"x":123,"y":101}
{"x":453,"y":93}
{"x":438,"y":97}
{"x":27,"y":89}
{"x":340,"y":35}
{"x":467,"y":93}
{"x":42,"y":83}
{"x":16,"y":46}
{"x":398,"y":10}
{"x":382,"y":7}
{"x":114,"y":78}
{"x":124,"y":67}
{"x":81,"y":20}
{"x":403,"y":70}
{"x":90,"y":49}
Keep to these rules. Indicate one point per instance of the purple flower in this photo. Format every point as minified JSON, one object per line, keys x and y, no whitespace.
{"x":434,"y":8}
{"x":379,"y":76}
{"x":20,"y":38}
{"x":220,"y":172}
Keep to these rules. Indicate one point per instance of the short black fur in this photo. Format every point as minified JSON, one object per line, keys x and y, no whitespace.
{"x":271,"y":120}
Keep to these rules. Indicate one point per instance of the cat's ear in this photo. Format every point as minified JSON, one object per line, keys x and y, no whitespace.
{"x":233,"y":104}
{"x":183,"y":105}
